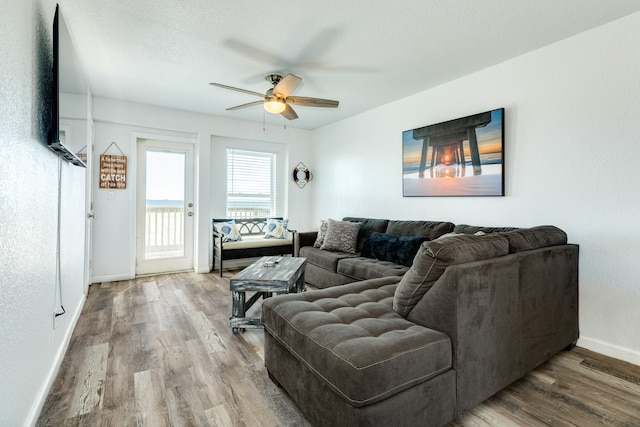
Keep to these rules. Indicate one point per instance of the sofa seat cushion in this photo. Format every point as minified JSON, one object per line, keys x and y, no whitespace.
{"x":362,"y":268}
{"x":350,"y":337}
{"x":324,"y":259}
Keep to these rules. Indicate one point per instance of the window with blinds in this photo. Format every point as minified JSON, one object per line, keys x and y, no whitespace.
{"x":251,"y":186}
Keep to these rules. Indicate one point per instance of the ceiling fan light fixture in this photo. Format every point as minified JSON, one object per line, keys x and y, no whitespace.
{"x":274,"y":105}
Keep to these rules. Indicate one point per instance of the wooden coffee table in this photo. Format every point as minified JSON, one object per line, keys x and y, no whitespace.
{"x":268,"y":275}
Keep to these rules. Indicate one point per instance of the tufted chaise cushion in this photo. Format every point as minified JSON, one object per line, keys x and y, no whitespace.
{"x":351,"y":338}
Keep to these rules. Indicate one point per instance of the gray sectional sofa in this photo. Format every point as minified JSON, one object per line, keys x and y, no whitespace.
{"x":419,"y":345}
{"x":330,"y":268}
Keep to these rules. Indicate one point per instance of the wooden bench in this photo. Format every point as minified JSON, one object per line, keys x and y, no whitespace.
{"x":253,"y":243}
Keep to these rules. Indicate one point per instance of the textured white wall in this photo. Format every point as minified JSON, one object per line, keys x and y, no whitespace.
{"x":572,"y":156}
{"x":114,"y":226}
{"x":32,"y":346}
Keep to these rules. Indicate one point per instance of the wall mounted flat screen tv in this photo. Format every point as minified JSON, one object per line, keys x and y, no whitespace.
{"x":68,"y":82}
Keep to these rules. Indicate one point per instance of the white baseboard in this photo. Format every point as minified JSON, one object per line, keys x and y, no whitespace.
{"x":110,"y":278}
{"x":610,"y":350}
{"x":41,"y":397}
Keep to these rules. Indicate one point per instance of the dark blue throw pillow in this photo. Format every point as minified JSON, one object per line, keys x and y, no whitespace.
{"x":389,"y":247}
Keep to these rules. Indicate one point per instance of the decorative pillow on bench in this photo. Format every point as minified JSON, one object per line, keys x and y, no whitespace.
{"x":276,"y":228}
{"x":228,"y":230}
{"x":390,"y":247}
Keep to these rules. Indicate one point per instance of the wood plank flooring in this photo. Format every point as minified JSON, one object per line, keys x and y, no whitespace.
{"x":158,"y":351}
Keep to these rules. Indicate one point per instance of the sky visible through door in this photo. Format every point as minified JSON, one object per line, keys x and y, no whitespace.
{"x":165,"y":204}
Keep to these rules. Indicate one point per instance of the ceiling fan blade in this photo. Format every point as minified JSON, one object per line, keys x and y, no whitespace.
{"x":289,"y":113}
{"x":312,"y":102}
{"x":287,"y":85}
{"x":250,"y":104}
{"x":250,"y":92}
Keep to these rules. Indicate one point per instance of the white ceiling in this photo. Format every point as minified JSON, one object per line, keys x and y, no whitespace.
{"x":364,"y":53}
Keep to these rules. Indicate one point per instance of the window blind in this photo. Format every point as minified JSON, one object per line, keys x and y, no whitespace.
{"x":250,"y":183}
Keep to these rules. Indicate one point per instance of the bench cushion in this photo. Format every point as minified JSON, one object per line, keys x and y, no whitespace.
{"x":255,"y":241}
{"x":351,"y":338}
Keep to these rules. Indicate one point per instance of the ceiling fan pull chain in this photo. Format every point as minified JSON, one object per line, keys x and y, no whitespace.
{"x":264,"y":119}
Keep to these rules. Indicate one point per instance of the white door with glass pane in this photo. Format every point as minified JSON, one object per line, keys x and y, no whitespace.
{"x":164,"y":207}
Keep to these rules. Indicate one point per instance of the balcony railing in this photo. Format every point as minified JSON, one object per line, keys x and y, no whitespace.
{"x":164,"y":233}
{"x":248,"y":213}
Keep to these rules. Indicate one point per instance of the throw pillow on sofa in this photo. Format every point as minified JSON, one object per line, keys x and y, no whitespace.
{"x":341,"y":236}
{"x":435,"y":256}
{"x":229,"y":231}
{"x":390,"y":247}
{"x":322,"y":231}
{"x":276,"y":228}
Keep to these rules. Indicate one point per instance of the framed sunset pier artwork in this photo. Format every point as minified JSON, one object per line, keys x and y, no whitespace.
{"x":461,"y":157}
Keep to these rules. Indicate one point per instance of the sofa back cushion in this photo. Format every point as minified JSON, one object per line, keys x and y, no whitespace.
{"x":389,"y":247}
{"x":429,"y":229}
{"x":526,"y":239}
{"x":435,"y":256}
{"x":521,"y":239}
{"x":472,"y":229}
{"x":367,"y":225}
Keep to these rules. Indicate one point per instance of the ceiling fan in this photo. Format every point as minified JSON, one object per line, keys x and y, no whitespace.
{"x":277,"y":100}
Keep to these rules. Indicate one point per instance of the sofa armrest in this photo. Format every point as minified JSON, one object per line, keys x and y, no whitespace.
{"x":307,"y":238}
{"x":505,"y":316}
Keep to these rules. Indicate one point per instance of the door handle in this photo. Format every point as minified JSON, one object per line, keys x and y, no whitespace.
{"x":190,"y":213}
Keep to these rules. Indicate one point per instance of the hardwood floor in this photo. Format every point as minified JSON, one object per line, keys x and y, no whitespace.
{"x":158,"y":351}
